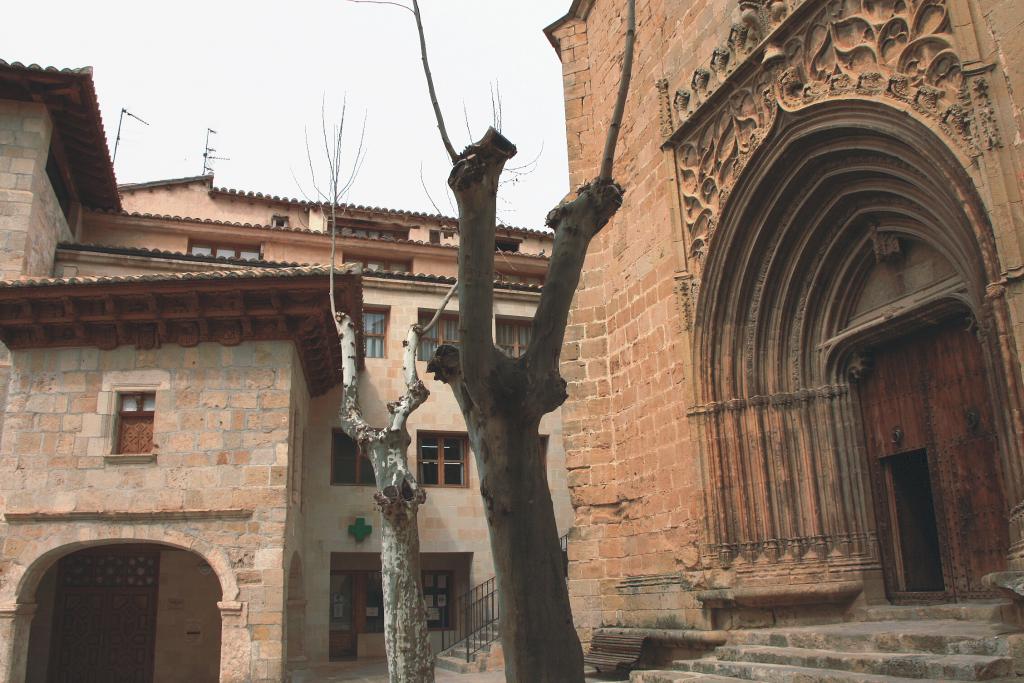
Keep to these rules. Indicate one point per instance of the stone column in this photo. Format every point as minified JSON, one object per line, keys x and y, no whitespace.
{"x":15,"y":624}
{"x":235,"y":643}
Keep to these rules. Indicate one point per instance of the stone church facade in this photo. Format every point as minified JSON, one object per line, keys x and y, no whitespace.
{"x":794,"y":357}
{"x":178,"y":502}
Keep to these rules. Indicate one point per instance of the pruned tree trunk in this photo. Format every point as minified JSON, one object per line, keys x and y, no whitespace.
{"x":406,"y":637}
{"x":503,"y":400}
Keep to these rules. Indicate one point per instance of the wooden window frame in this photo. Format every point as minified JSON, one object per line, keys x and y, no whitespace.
{"x":436,"y":333}
{"x":386,"y":312}
{"x":518,"y":323}
{"x":285,"y":220}
{"x":238,"y":249}
{"x":464,"y":438}
{"x":404,"y":265}
{"x":361,"y":458}
{"x":119,"y":446}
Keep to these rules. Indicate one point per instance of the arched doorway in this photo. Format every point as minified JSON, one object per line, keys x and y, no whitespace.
{"x":851,"y":231}
{"x":138,"y":613}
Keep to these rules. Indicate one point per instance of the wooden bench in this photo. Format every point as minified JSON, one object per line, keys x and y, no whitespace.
{"x":614,"y":651}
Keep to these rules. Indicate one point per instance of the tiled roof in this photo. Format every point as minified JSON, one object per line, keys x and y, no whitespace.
{"x":446,"y":279}
{"x":176,"y":255}
{"x":70,"y":97}
{"x":256,"y":226}
{"x":370,"y":209}
{"x":240,"y":274}
{"x":281,"y":266}
{"x":128,"y":187}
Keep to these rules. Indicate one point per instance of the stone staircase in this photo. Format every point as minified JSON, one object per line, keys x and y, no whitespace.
{"x":488,"y":658}
{"x":964,"y":642}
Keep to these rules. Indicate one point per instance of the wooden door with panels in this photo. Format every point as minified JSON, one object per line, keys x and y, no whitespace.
{"x":104,"y":624}
{"x":932,"y":453}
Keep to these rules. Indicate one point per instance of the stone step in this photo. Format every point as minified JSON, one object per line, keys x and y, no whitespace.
{"x":779,"y":673}
{"x":981,"y":610}
{"x":652,"y":676}
{"x":948,"y":636}
{"x":896,"y":664}
{"x":457,"y":664}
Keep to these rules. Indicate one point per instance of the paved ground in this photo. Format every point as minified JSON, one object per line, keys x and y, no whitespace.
{"x":376,"y":672}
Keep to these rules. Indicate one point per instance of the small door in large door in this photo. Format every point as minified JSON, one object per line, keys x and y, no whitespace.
{"x":932,"y":454}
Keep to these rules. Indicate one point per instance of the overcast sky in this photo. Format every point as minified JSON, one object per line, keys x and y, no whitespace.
{"x":257,"y":71}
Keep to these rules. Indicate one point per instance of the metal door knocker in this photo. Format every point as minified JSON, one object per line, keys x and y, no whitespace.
{"x":897,"y":435}
{"x":973,"y":419}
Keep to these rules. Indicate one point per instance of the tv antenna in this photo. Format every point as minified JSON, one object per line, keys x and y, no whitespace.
{"x":208,"y":157}
{"x":120,"y":120}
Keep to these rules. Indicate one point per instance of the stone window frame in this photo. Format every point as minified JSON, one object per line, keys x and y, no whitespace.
{"x":115,"y":384}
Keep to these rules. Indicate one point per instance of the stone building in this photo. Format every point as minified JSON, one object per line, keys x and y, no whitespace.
{"x":178,"y":502}
{"x":794,"y":355}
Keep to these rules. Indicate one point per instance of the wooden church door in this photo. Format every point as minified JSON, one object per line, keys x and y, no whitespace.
{"x":932,"y":453}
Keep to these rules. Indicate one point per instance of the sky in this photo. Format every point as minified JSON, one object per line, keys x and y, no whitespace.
{"x":260,"y":73}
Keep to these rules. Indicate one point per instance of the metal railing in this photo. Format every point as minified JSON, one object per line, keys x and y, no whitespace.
{"x":476,"y":616}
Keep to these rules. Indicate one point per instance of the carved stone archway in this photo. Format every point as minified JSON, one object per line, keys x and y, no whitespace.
{"x":838,"y":189}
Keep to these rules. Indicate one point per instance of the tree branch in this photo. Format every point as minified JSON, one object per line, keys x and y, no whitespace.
{"x":474,"y":180}
{"x":430,"y":84}
{"x":352,"y":421}
{"x":415,"y":391}
{"x":620,"y":103}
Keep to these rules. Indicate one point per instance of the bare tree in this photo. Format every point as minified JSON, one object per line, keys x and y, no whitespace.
{"x":504,"y":399}
{"x":399,"y":497}
{"x":406,"y":638}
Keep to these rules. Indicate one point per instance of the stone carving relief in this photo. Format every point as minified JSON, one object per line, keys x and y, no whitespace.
{"x":892,"y":50}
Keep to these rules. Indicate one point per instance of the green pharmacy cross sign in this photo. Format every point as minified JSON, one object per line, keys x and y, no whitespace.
{"x":360,"y":530}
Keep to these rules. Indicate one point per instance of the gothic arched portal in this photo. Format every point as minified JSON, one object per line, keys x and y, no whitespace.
{"x":853,"y":235}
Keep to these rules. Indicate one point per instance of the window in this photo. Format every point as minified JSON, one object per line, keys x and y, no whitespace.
{"x":279,"y":221}
{"x":446,"y":331}
{"x":375,"y":325}
{"x":349,"y":465}
{"x":513,"y":336}
{"x":250,"y":253}
{"x":435,"y":237}
{"x":437,"y":597}
{"x":519,"y":279}
{"x":372,"y":234}
{"x":506,"y":245}
{"x":135,"y":423}
{"x":442,"y":460}
{"x":379,"y":264}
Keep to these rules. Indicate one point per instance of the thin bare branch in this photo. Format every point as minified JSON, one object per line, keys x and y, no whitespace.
{"x":440,"y":309}
{"x":381,"y":2}
{"x":465,"y":115}
{"x":430,"y":84}
{"x":427,"y":192}
{"x":620,"y":103}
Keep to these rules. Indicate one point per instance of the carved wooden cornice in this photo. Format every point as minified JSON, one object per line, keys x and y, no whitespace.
{"x":227,"y":307}
{"x":785,"y":55}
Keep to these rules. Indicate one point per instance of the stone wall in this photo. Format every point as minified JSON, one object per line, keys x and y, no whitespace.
{"x":636,"y":468}
{"x":31,"y":220}
{"x":216,"y":484}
